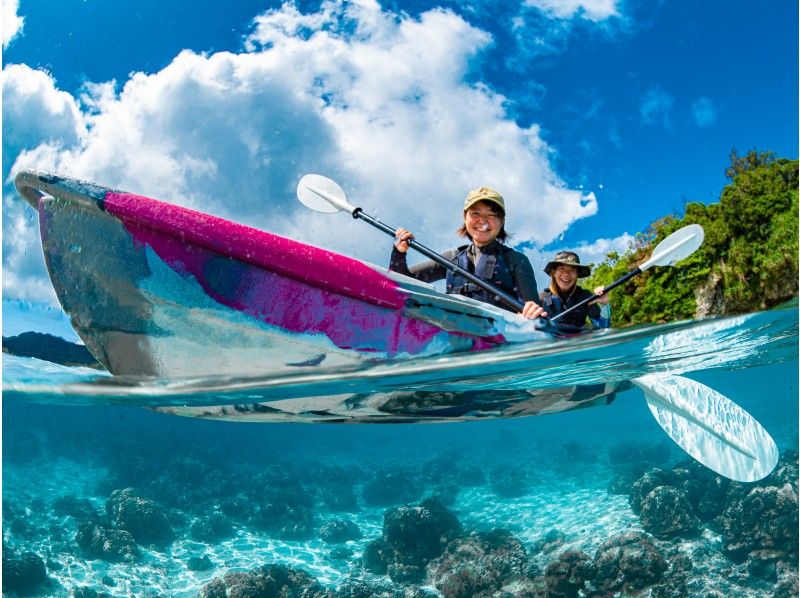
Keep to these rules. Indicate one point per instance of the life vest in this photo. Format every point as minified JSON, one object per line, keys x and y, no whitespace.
{"x":491,"y":267}
{"x":553,"y":305}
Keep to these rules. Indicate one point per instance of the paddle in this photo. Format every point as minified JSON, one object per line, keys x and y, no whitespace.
{"x":679,"y":245}
{"x":324,"y":195}
{"x":710,"y":427}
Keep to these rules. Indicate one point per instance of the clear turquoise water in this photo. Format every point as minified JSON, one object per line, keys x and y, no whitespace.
{"x":66,"y":432}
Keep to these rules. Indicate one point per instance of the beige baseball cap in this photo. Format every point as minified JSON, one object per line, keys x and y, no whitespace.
{"x":484,"y":194}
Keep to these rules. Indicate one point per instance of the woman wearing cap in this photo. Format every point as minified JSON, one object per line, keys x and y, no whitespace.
{"x":564,"y":292}
{"x":485,"y":256}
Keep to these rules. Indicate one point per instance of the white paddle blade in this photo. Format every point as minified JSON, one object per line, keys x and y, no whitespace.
{"x":680,"y":244}
{"x":710,"y":427}
{"x":322,"y":194}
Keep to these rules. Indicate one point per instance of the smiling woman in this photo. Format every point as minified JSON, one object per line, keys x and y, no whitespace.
{"x":564,"y":294}
{"x":486,"y":257}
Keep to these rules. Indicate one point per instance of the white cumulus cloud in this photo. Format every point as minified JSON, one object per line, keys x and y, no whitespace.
{"x":12,"y":23}
{"x":35,"y":112}
{"x":39,"y":118}
{"x":375,"y":99}
{"x":591,"y":10}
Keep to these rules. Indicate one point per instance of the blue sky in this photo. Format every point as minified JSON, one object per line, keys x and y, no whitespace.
{"x":592,"y":117}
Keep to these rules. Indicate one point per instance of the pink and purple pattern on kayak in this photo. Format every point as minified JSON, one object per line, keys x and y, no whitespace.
{"x":296,"y":287}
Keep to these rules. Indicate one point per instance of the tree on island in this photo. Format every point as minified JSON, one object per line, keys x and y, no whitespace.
{"x":748,"y":262}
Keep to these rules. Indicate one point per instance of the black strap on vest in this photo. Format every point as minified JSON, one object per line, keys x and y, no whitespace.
{"x":491,"y":267}
{"x":553,"y":305}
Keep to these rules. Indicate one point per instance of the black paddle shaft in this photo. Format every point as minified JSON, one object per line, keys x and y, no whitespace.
{"x":511,"y":301}
{"x":613,"y":285}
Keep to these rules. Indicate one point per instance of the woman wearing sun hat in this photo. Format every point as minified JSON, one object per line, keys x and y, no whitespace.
{"x":564,"y":292}
{"x":485,"y":256}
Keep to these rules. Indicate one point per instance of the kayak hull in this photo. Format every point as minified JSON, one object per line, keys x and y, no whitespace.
{"x":408,"y":406}
{"x":156,"y":289}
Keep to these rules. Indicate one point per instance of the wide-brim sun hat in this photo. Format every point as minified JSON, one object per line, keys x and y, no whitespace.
{"x":568,"y":258}
{"x":484,"y":194}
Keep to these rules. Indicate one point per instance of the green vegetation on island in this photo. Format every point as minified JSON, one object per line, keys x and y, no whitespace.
{"x":748,"y":262}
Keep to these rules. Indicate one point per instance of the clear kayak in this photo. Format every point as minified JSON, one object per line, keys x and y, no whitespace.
{"x":155,"y":289}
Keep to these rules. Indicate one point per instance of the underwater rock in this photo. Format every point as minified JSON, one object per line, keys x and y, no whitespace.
{"x":390,"y":488}
{"x":286,"y":513}
{"x":416,"y":535}
{"x":766,"y":518}
{"x":674,"y":583}
{"x":479,"y":564}
{"x":109,"y":581}
{"x":627,"y":563}
{"x":23,"y":528}
{"x":79,"y":508}
{"x":667,"y":514}
{"x":147,"y":522}
{"x":625,"y":476}
{"x":339,"y":531}
{"x":377,"y":556}
{"x":706,"y":491}
{"x":267,"y":580}
{"x":568,"y":575}
{"x":211,"y":528}
{"x":378,"y":588}
{"x":551,"y":541}
{"x":509,"y":482}
{"x":216,"y":588}
{"x":787,"y":586}
{"x":240,"y":507}
{"x":24,"y":573}
{"x":763,"y":564}
{"x":644,"y":485}
{"x":106,"y":544}
{"x":785,"y":472}
{"x":52,"y":565}
{"x":199,"y":563}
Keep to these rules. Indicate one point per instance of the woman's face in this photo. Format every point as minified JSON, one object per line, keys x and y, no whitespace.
{"x":566,"y":277}
{"x":483,"y":222}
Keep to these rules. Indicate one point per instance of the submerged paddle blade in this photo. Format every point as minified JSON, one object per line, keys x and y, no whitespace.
{"x":679,"y":245}
{"x":322,"y":194}
{"x":710,"y":427}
